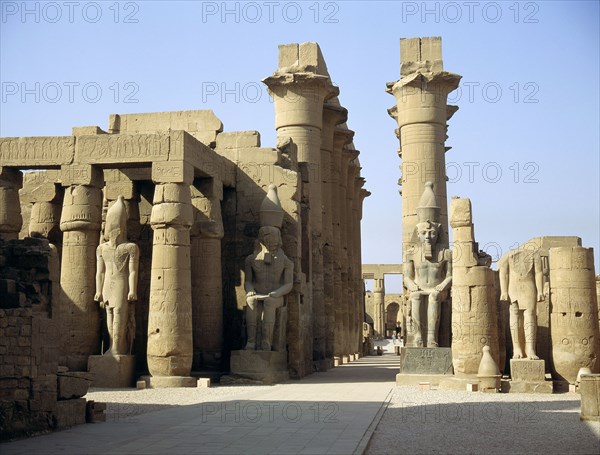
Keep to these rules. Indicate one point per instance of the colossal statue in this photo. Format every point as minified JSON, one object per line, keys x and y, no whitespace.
{"x":116,"y":279}
{"x":268,"y":275}
{"x":428,"y":270}
{"x":521,"y":284}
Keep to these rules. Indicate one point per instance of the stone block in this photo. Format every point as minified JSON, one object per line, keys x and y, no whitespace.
{"x":140,"y":384}
{"x":112,"y":371}
{"x":238,"y":139}
{"x":86,"y":130}
{"x":527,"y":387}
{"x":527,"y":370}
{"x":160,"y":382}
{"x":265,"y":366}
{"x":70,"y":413}
{"x":73,"y":384}
{"x":203,"y":382}
{"x":426,"y":361}
{"x":472,"y":387}
{"x":589,"y":387}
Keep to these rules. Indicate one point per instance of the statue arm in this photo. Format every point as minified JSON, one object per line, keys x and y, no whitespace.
{"x":503,"y":275}
{"x":134,"y":261}
{"x":448,"y":278}
{"x":249,"y":276}
{"x":100,"y":270}
{"x":288,"y":280}
{"x":539,"y":276}
{"x":409,"y":276}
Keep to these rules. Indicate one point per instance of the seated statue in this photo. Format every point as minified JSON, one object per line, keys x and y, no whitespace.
{"x":521,"y":284}
{"x":269,"y":275}
{"x":116,"y":279}
{"x":428,"y":271}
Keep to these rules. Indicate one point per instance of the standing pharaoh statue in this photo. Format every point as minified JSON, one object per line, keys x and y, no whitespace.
{"x":268,"y":275}
{"x":427,"y":270}
{"x":521,"y":284}
{"x":116,"y":279}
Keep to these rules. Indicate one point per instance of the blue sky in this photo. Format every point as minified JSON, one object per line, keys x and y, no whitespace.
{"x":525,"y":142}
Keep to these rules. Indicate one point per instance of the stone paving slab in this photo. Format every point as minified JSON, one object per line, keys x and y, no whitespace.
{"x":334,"y":412}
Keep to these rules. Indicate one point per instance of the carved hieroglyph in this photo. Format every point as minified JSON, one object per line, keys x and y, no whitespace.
{"x":574,"y":309}
{"x":268,"y":275}
{"x":428,"y":271}
{"x":116,"y":279}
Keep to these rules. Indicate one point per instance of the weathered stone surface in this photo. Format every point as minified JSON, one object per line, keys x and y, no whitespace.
{"x":70,"y":413}
{"x":589,"y":388}
{"x":74,"y":384}
{"x":265,"y":366}
{"x":112,"y":371}
{"x":425,"y":360}
{"x":574,"y":318}
{"x":527,"y":370}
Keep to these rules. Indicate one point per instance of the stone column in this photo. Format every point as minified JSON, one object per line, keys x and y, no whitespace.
{"x":207,"y":293}
{"x":421,"y":112}
{"x":11,"y":221}
{"x":360,"y":195}
{"x":332,"y":115}
{"x":81,"y":221}
{"x":170,"y":345}
{"x":342,"y":137}
{"x":379,"y":306}
{"x":574,"y":312}
{"x":298,"y":99}
{"x":474,"y":315}
{"x":353,"y":171}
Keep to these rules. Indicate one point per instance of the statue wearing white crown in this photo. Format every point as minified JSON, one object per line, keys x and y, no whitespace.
{"x":268,"y":274}
{"x":117,"y":264}
{"x":428,"y":272}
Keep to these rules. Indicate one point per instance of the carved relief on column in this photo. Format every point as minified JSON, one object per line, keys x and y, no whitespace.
{"x":80,"y":222}
{"x":170,"y":315}
{"x":207,"y":296}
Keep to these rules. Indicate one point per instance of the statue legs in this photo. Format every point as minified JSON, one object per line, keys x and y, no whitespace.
{"x":530,"y":333}
{"x":268,"y":323}
{"x":267,"y":314}
{"x":116,"y":322}
{"x":434,"y":300}
{"x":516,"y":327}
{"x":251,"y":318}
{"x":415,"y":301}
{"x":433,"y":319}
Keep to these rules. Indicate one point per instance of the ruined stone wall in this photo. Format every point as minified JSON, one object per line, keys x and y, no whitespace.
{"x":34,"y":397}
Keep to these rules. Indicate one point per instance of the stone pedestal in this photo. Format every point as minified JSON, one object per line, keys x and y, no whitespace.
{"x":527,"y":376}
{"x":266,"y":366}
{"x":425,"y":360}
{"x":110,"y":371}
{"x":589,"y":387}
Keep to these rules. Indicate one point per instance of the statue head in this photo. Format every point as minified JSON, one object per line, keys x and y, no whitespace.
{"x":115,"y":229}
{"x":428,"y":214}
{"x":428,"y":232}
{"x":270,"y":237}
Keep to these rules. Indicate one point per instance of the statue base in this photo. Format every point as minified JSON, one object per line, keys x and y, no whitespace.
{"x":426,"y":361}
{"x":527,"y":376}
{"x":112,"y":371}
{"x":424,"y":366}
{"x":267,"y":367}
{"x":165,"y":382}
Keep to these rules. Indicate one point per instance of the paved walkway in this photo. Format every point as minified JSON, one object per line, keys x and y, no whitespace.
{"x":326,"y":413}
